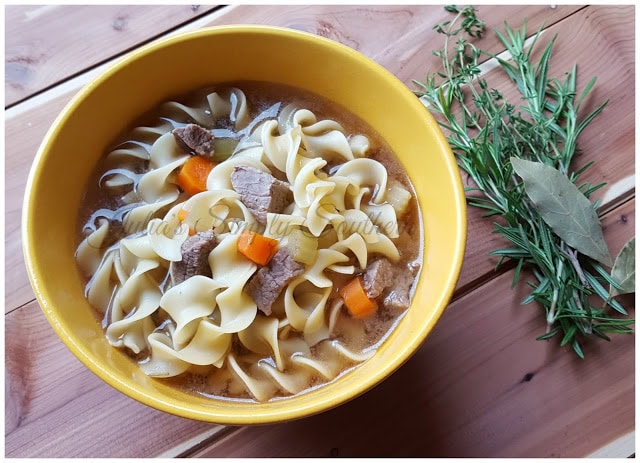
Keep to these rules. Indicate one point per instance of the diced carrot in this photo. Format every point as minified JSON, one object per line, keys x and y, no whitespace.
{"x":356,"y":300}
{"x":182,"y":214}
{"x":192,"y":177}
{"x":257,"y":248}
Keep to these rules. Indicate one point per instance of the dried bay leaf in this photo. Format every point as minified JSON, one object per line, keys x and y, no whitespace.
{"x":624,"y":269}
{"x":564,"y":208}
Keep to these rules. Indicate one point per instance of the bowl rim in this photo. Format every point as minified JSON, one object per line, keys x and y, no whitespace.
{"x":274,"y":414}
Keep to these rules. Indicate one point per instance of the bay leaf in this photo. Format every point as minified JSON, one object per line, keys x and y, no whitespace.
{"x":564,"y":208}
{"x":624,"y":269}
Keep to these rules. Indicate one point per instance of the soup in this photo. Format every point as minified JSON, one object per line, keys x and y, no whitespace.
{"x":249,"y":242}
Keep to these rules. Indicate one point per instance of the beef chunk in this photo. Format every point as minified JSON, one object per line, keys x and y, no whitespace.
{"x":195,"y":257}
{"x":377,"y":277}
{"x":399,"y":297}
{"x":267,"y":283}
{"x":194,"y":139}
{"x":261,"y":192}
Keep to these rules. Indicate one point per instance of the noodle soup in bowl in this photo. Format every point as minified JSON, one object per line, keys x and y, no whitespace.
{"x":244,"y":224}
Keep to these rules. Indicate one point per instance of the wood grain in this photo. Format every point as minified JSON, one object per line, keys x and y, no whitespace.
{"x":84,"y":35}
{"x":480,"y":386}
{"x":464,"y":393}
{"x":48,"y":393}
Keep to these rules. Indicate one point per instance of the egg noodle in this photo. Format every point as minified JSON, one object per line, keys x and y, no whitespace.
{"x":343,"y":200}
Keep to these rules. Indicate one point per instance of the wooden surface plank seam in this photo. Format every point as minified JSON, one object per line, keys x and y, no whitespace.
{"x":205,"y":439}
{"x":79,"y":80}
{"x":100,"y":65}
{"x":30,"y":301}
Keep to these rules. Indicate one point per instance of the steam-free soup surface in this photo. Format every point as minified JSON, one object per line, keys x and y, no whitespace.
{"x":249,"y":241}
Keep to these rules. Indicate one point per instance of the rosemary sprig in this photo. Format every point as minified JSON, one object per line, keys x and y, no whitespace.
{"x":485,"y":132}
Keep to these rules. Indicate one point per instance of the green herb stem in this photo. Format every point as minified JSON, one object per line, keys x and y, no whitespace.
{"x":485,"y":132}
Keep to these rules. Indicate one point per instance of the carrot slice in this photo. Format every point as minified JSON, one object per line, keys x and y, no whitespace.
{"x":356,"y":300}
{"x":257,"y":248}
{"x":192,"y":177}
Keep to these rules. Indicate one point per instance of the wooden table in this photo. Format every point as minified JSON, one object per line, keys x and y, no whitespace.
{"x":480,"y":386}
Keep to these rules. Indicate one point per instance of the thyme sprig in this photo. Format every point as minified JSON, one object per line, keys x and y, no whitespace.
{"x":485,"y":132}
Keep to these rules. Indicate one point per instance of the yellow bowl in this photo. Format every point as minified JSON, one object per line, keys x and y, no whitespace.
{"x":152,"y":74}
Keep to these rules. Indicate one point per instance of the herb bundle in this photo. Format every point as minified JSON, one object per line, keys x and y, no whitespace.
{"x":520,"y":161}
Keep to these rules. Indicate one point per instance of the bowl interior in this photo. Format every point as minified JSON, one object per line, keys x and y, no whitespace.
{"x":180,"y":64}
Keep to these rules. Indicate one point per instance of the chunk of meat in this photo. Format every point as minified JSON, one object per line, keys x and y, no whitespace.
{"x":377,"y":277}
{"x":266,"y":284}
{"x":260,"y":191}
{"x":194,"y":139}
{"x":400,"y":296}
{"x":195,"y":257}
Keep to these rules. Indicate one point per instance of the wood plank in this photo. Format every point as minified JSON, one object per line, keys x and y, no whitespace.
{"x":48,"y":392}
{"x":403,"y":40}
{"x":480,"y":386}
{"x":23,"y":134}
{"x":46,"y":44}
{"x":408,"y":57}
